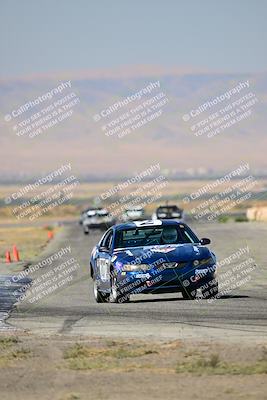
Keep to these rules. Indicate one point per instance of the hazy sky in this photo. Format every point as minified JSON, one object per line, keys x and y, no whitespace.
{"x":39,"y":36}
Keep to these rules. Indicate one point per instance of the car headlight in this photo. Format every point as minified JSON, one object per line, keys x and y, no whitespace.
{"x":135,"y":267}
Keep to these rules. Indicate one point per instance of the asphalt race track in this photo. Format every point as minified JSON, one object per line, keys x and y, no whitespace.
{"x":72,"y":309}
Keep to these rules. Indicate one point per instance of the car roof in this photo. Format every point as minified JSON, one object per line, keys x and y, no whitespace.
{"x":144,"y":224}
{"x":133,"y":208}
{"x":168,"y":206}
{"x":93,"y":209}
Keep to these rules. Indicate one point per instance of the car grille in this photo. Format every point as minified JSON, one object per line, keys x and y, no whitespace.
{"x":182,"y":264}
{"x":205,"y":261}
{"x":174,"y":265}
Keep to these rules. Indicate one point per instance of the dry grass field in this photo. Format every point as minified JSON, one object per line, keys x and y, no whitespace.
{"x":94,"y":368}
{"x":30,"y":240}
{"x":88,"y":194}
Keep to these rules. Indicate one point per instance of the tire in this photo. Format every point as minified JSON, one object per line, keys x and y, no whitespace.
{"x":212,"y":291}
{"x":85,"y":231}
{"x":115,"y":295}
{"x":189,"y":293}
{"x":98,"y":295}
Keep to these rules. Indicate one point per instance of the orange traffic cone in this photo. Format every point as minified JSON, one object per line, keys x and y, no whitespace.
{"x":15,"y":253}
{"x":8,"y":258}
{"x":50,"y":235}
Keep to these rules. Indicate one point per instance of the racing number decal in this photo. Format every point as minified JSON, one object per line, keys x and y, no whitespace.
{"x":103,"y":265}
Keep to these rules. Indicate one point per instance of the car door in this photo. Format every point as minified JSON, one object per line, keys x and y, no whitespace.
{"x":103,"y":261}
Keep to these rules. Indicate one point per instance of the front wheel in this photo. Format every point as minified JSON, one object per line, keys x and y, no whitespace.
{"x":99,"y":296}
{"x":212,"y":290}
{"x":115,"y":295}
{"x":189,"y":293}
{"x":86,"y":230}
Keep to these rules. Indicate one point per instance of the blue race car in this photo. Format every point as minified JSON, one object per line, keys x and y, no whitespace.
{"x":152,"y":257}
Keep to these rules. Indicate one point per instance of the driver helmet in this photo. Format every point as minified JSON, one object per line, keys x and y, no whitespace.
{"x":169,"y":235}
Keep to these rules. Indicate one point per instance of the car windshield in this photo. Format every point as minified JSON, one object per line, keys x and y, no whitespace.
{"x":91,"y":213}
{"x":102,"y":213}
{"x":168,"y":211}
{"x":136,"y":211}
{"x":149,"y":236}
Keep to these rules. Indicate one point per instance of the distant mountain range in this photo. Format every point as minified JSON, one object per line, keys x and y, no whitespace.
{"x":166,"y":139}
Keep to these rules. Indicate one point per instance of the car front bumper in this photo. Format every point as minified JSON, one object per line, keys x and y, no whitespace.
{"x":166,"y":281}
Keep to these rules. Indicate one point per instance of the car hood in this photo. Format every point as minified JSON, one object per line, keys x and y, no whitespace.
{"x":169,"y":253}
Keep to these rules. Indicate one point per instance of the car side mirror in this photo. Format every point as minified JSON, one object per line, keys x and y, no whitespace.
{"x":204,"y":241}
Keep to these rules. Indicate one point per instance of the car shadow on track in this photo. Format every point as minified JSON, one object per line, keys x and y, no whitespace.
{"x":224,"y":297}
{"x":156,"y":300}
{"x":234,"y":296}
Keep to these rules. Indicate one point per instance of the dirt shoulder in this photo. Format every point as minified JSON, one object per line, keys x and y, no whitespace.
{"x":64,"y":368}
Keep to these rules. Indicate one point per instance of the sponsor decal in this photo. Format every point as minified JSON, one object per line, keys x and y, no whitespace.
{"x":143,"y":276}
{"x":148,"y":223}
{"x":196,"y":249}
{"x":118,"y":264}
{"x":103,"y":265}
{"x":166,"y":249}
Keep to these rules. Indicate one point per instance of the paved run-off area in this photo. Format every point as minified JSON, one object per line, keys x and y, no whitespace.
{"x":66,"y":346}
